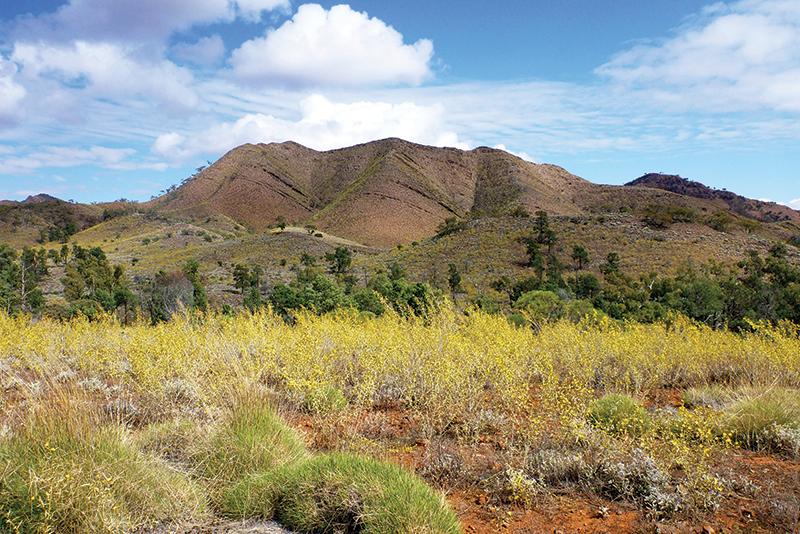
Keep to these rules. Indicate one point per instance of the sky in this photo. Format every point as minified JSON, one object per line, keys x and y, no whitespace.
{"x":101,"y":100}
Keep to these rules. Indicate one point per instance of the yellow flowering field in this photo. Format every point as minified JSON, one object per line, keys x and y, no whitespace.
{"x":610,"y":408}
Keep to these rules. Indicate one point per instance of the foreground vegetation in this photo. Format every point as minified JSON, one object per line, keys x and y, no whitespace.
{"x":249,"y":416}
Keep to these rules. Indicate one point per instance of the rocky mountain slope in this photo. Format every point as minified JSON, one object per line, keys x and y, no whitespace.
{"x":392,"y":192}
{"x":380,"y":193}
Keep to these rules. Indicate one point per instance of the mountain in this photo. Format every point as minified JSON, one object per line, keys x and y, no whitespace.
{"x":392,"y":192}
{"x":746,"y":207}
{"x":25,"y":222}
{"x":380,"y":193}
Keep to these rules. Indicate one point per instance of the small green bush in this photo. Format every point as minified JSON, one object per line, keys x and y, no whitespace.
{"x":324,"y":399}
{"x":343,"y":493}
{"x":540,"y":305}
{"x":619,"y":414}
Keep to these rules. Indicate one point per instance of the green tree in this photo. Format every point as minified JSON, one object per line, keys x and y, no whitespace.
{"x":580,"y":256}
{"x":241,"y":277}
{"x":339,"y":260}
{"x":612,"y":264}
{"x":9,"y":280}
{"x":192,"y":271}
{"x":540,"y":305}
{"x":454,"y":278}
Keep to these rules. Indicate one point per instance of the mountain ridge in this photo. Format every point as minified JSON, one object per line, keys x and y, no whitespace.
{"x":390,"y":192}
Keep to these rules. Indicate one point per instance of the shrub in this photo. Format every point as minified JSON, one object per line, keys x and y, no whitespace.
{"x":720,"y":221}
{"x":540,"y":305}
{"x":450,"y":225}
{"x":619,"y":414}
{"x":662,"y":216}
{"x":579,"y":310}
{"x":67,"y":471}
{"x":324,"y":399}
{"x":343,"y":492}
{"x":598,"y":466}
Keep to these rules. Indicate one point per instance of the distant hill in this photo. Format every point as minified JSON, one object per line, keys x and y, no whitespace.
{"x":24,"y":222}
{"x":746,"y":207}
{"x":380,"y":193}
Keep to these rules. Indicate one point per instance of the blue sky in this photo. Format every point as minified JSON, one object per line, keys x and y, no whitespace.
{"x":101,"y":100}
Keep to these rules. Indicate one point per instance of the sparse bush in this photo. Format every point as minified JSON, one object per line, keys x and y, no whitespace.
{"x":324,"y":399}
{"x":720,"y":221}
{"x":663,"y":216}
{"x":451,"y":225}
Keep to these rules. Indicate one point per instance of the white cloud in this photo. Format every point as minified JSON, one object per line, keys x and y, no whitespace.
{"x":108,"y":70}
{"x":338,"y":47}
{"x":205,"y":52}
{"x":135,"y":20}
{"x":252,"y":10}
{"x":323,"y":125}
{"x":63,"y":157}
{"x":11,"y":92}
{"x":740,"y":56}
{"x":521,"y":155}
{"x":794,"y":204}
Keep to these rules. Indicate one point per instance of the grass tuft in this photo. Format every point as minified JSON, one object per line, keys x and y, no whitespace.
{"x":751,"y":420}
{"x":65,"y":470}
{"x":252,"y":438}
{"x":343,"y":492}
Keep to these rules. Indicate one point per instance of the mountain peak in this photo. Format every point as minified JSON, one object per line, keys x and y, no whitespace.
{"x":40,"y":198}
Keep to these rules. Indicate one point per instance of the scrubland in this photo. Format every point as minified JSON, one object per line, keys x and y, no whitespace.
{"x":454,"y":422}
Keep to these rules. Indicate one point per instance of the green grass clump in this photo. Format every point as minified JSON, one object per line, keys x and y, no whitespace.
{"x":325,"y":399}
{"x":67,"y":471}
{"x":343,"y":492}
{"x":751,"y":419}
{"x":619,"y":414}
{"x":252,"y":438}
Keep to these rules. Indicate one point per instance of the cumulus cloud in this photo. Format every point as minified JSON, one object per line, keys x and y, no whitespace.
{"x":794,"y":204}
{"x":323,"y":125}
{"x":135,"y":20}
{"x":339,"y":46}
{"x":732,"y":57}
{"x":11,"y":92}
{"x":205,"y":52}
{"x":108,"y":70}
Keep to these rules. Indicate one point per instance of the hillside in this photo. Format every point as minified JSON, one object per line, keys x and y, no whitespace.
{"x":380,"y":193}
{"x":23,"y":223}
{"x":386,"y":199}
{"x":746,"y":207}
